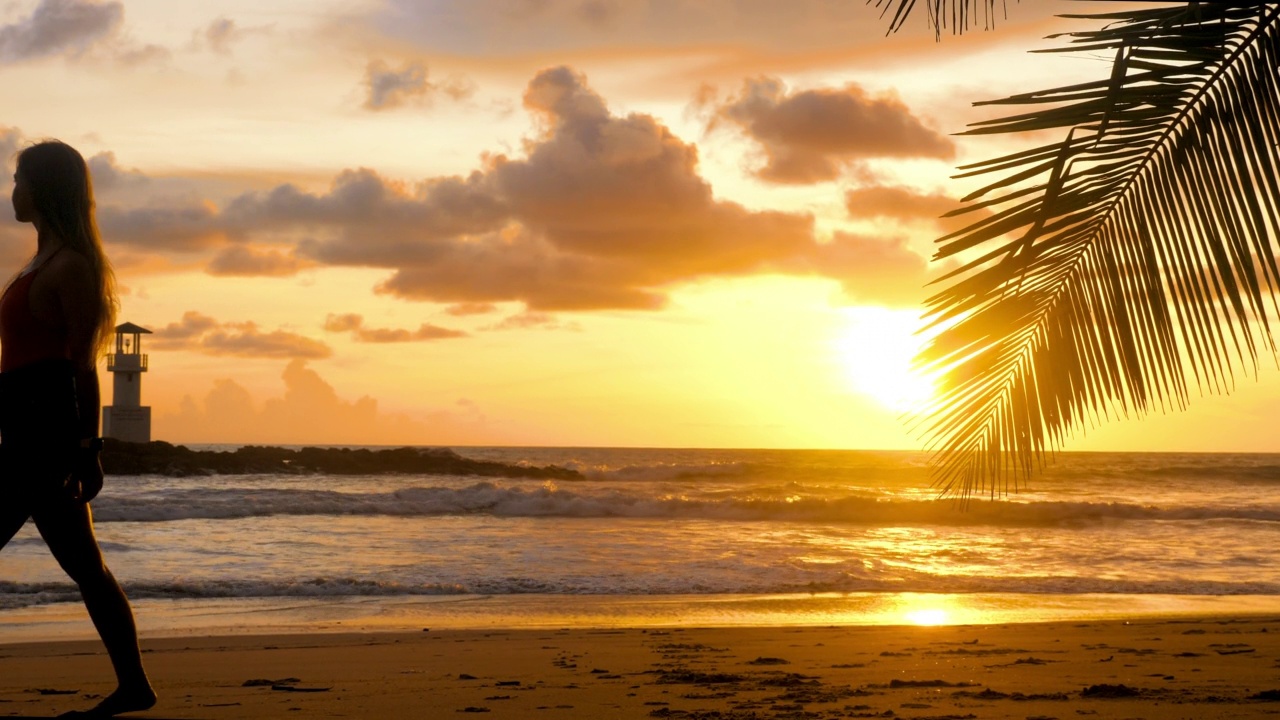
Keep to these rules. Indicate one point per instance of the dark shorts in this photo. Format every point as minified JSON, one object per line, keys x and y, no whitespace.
{"x":39,"y":424}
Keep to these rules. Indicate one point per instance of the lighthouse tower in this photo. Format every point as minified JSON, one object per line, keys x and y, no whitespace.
{"x":126,"y":418}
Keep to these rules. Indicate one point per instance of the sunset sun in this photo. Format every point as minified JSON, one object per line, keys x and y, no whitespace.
{"x":876,"y":351}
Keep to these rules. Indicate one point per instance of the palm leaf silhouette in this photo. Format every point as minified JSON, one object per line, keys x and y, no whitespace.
{"x":1122,"y":265}
{"x":955,"y":15}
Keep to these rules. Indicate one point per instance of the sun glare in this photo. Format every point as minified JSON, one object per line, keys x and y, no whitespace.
{"x":928,"y":610}
{"x":927,"y":616}
{"x":877,"y":348}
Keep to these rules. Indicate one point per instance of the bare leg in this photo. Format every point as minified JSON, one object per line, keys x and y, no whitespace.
{"x":67,"y":527}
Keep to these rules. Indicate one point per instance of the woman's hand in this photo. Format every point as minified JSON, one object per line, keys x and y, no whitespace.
{"x":86,"y":476}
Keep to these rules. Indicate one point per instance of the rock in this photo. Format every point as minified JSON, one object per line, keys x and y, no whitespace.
{"x":161,"y":458}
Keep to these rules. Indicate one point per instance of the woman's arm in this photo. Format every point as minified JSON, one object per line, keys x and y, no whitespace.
{"x":88,"y":400}
{"x":74,"y":285}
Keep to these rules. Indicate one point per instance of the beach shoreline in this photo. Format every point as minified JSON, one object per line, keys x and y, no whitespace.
{"x":1202,"y":667}
{"x":166,"y":617}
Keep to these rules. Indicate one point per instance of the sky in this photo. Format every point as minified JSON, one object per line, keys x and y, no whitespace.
{"x":664,"y":223}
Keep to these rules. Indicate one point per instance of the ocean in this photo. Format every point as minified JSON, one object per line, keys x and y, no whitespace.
{"x":670,"y":536}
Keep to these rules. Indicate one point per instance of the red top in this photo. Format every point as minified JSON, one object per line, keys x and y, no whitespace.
{"x":24,"y":339}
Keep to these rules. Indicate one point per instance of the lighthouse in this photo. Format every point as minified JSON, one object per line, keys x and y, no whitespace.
{"x":126,"y":418}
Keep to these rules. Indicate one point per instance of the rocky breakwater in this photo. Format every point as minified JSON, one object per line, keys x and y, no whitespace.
{"x":162,"y":458}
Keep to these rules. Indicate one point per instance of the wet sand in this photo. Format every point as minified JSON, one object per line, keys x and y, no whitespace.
{"x":1155,"y":668}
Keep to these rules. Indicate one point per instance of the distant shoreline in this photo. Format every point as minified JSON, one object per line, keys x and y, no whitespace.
{"x":162,"y":458}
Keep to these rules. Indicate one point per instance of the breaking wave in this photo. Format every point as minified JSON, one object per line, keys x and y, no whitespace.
{"x":550,"y":501}
{"x":668,"y":471}
{"x":19,"y":595}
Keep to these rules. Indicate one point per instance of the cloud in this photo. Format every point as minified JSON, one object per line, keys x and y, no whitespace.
{"x":897,"y":202}
{"x":311,"y":411}
{"x":610,"y":210}
{"x":530,"y":320}
{"x":604,"y":211}
{"x":471,"y":308}
{"x":598,"y":211}
{"x":58,"y":27}
{"x":599,"y":14}
{"x":872,"y":270}
{"x":196,"y":332}
{"x":813,"y":135}
{"x":244,"y":339}
{"x":515,"y":266}
{"x":220,"y":34}
{"x":245,"y":261}
{"x":354,"y":324}
{"x":908,"y":205}
{"x":387,"y":88}
{"x":186,"y":227}
{"x":372,"y":211}
{"x":188,"y":329}
{"x":348,"y":322}
{"x":131,"y":54}
{"x":106,"y":173}
{"x":159,"y":214}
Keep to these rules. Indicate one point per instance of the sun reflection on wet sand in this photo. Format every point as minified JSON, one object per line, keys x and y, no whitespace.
{"x":928,"y":609}
{"x":941,"y":609}
{"x":291,"y":615}
{"x":927,"y":616}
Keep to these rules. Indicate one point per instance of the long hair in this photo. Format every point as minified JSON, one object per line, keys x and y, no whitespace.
{"x":62,"y":193}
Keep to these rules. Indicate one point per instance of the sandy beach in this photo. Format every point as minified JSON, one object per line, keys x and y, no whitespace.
{"x":1155,"y":669}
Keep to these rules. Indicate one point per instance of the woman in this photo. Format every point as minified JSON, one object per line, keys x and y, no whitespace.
{"x":55,"y":319}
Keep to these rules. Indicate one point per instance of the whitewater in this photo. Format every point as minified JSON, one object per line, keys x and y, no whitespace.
{"x":651,"y":523}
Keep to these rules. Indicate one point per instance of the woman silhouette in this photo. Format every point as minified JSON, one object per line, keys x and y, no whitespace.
{"x":55,"y":318}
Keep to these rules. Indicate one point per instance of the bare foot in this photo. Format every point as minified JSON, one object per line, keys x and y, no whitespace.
{"x":122,"y":700}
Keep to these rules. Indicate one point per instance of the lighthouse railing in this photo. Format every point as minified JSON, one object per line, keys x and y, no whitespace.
{"x":124,"y":362}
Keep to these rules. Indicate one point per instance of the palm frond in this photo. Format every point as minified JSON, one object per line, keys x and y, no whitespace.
{"x":958,"y":16}
{"x":1123,"y":265}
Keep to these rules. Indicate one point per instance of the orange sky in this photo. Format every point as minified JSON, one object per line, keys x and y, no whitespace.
{"x":548,"y":222}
